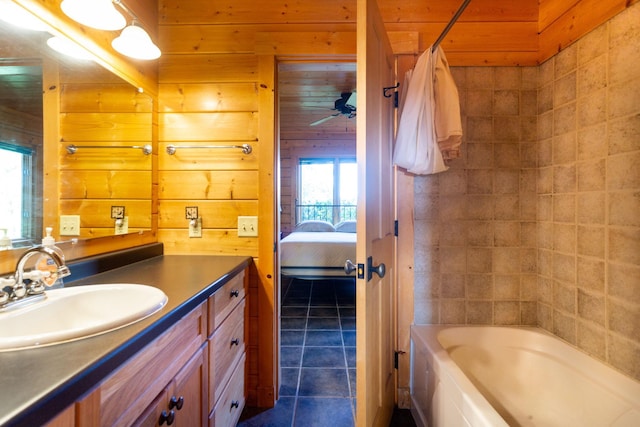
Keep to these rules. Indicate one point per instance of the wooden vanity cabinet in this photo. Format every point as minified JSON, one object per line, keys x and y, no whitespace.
{"x":181,"y":402}
{"x":191,"y":375}
{"x":227,"y":352}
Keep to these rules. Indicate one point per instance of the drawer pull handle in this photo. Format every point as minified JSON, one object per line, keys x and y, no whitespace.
{"x":235,"y":341}
{"x":169,"y":418}
{"x":235,"y":404}
{"x":235,"y":293}
{"x":176,"y":402}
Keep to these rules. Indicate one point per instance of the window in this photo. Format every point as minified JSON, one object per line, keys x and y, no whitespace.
{"x":327,"y":189}
{"x":16,"y":163}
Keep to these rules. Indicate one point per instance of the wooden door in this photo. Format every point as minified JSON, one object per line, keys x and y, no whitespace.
{"x":375,"y":296}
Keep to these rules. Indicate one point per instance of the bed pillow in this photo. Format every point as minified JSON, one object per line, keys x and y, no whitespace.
{"x":346,"y":226}
{"x":312,"y":225}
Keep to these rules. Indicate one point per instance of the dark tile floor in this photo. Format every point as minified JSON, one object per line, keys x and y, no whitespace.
{"x":317,"y":358}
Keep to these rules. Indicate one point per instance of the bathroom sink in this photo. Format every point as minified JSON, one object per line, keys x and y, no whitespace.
{"x":79,"y":312}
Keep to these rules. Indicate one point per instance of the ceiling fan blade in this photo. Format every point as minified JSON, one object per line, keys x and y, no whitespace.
{"x":351,"y":101}
{"x":316,"y":123}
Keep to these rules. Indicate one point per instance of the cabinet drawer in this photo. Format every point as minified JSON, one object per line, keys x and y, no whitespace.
{"x":226,"y":348}
{"x":227,"y":411}
{"x":224,"y":300}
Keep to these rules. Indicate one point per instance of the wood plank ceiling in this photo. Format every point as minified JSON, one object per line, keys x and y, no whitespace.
{"x":307,"y":94}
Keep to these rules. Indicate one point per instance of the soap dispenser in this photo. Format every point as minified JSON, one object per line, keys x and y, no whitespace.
{"x":5,"y":241}
{"x":46,"y":264}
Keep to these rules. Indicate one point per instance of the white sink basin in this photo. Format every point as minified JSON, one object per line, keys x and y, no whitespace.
{"x":79,"y":312}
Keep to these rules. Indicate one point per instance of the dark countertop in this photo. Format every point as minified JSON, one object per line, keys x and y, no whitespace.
{"x":36,"y":384}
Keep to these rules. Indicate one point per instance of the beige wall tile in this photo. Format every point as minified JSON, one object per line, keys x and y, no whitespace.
{"x":565,"y":148}
{"x":624,"y":281}
{"x":591,"y":208}
{"x":453,"y":285}
{"x":591,"y":241}
{"x":591,"y":307}
{"x":592,"y":175}
{"x":564,"y":179}
{"x":452,"y":311}
{"x":506,"y":312}
{"x":480,"y":181}
{"x":624,"y":355}
{"x":592,"y":142}
{"x":623,"y":319}
{"x":564,"y":208}
{"x":623,"y":98}
{"x":624,"y":134}
{"x":592,"y":339}
{"x":592,"y":76}
{"x":623,"y":172}
{"x":592,"y":109}
{"x":566,"y":61}
{"x":624,"y":208}
{"x":591,"y":273}
{"x":564,"y":326}
{"x":480,"y":312}
{"x":564,"y":119}
{"x":564,"y":90}
{"x":506,"y":103}
{"x":624,"y":244}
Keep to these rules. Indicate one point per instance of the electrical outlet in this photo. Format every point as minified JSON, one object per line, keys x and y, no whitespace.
{"x":247,"y":226}
{"x":123,"y":228}
{"x":69,"y":225}
{"x":195,"y":227}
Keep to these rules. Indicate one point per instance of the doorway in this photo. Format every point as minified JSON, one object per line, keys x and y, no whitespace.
{"x":317,"y":309}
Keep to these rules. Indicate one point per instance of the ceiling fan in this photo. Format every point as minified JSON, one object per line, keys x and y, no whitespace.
{"x":345,"y":105}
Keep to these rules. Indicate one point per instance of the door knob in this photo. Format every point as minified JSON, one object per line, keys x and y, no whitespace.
{"x":379,"y":269}
{"x":349,"y":267}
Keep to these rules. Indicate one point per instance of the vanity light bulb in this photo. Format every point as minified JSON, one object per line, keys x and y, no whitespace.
{"x":98,"y":14}
{"x":134,"y":42}
{"x":69,"y":48}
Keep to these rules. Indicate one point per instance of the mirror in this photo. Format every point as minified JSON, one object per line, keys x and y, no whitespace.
{"x":49,"y":104}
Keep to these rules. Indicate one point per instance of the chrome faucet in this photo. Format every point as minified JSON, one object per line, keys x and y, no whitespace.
{"x":16,"y":291}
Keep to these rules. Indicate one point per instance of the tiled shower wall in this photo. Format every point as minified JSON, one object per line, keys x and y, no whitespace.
{"x":539,"y":222}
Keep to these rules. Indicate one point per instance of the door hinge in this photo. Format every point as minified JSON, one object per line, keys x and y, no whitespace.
{"x":395,"y":228}
{"x":396,"y":356}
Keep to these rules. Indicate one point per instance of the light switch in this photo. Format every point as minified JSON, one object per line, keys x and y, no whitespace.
{"x":69,"y":225}
{"x":247,"y":226}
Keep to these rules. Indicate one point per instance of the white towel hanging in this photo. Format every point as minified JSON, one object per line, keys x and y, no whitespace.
{"x":429,"y":115}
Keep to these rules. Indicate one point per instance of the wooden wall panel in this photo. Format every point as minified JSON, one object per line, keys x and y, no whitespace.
{"x":214,"y":213}
{"x":208,"y":159}
{"x":177,"y":98}
{"x":248,"y":11}
{"x":213,"y":242}
{"x":207,"y":68}
{"x":96,"y":213}
{"x":215,"y":126}
{"x":105,"y":184}
{"x":208,"y":185}
{"x":441,"y":11}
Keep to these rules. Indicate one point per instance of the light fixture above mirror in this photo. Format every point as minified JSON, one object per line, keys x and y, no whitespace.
{"x":133,"y":41}
{"x":98,"y":14}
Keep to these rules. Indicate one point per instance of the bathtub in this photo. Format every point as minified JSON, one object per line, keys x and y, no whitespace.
{"x":511,"y":376}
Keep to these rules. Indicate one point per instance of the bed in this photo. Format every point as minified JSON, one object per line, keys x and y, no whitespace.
{"x":317,"y":249}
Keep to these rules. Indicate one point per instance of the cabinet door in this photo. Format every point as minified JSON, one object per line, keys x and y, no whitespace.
{"x":189,"y":396}
{"x":153,"y":416}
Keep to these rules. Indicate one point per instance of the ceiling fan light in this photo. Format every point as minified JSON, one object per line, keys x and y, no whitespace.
{"x":67,"y":47}
{"x":99,"y":14}
{"x":134,"y":42}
